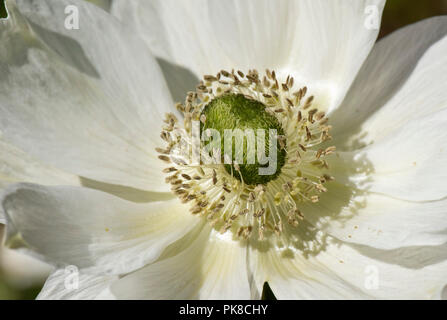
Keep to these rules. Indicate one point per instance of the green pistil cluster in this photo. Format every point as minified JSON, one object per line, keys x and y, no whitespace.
{"x":235,"y":111}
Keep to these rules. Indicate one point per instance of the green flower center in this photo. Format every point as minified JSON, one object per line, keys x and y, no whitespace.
{"x":248,"y":153}
{"x":251,"y":142}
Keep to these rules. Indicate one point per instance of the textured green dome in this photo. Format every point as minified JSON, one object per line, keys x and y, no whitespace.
{"x":235,"y":111}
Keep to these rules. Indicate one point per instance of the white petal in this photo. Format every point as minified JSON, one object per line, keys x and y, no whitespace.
{"x":90,"y":229}
{"x":397,"y":107}
{"x":299,"y":276}
{"x":377,"y":220}
{"x":89,"y":101}
{"x":402,"y":80}
{"x":408,"y":165}
{"x":69,"y":284}
{"x":415,"y":272}
{"x":17,"y":166}
{"x":20,"y":270}
{"x":104,"y":4}
{"x":208,"y":266}
{"x":322,"y":43}
{"x":340,"y":271}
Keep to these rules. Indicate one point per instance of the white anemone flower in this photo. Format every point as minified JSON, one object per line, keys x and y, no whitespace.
{"x":356,"y":211}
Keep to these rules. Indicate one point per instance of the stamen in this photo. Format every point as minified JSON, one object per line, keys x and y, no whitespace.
{"x":215,"y":193}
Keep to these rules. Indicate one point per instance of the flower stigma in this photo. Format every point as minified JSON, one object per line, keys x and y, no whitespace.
{"x":247,"y":153}
{"x":230,"y":113}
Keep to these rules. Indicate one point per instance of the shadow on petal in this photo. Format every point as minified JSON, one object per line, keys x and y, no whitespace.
{"x":68,"y":49}
{"x":338,"y":205}
{"x":29,"y":35}
{"x":412,"y":257}
{"x":126,"y":193}
{"x":179,"y":79}
{"x":387,"y":68}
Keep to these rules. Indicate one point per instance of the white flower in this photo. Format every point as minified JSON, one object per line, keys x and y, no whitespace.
{"x":81,"y":113}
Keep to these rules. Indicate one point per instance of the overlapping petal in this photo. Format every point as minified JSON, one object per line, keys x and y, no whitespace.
{"x":322,"y":43}
{"x":17,"y":166}
{"x":69,"y":284}
{"x":391,"y":130}
{"x":402,"y":80}
{"x":92,"y":230}
{"x":377,"y":220}
{"x":409,"y":165}
{"x":20,"y":269}
{"x":94,"y":96}
{"x":345,"y":271}
{"x":207,"y":266}
{"x":396,"y":114}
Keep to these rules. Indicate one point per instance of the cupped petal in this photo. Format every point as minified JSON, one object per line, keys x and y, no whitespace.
{"x":88,"y":100}
{"x":403,"y":79}
{"x":346,"y":271}
{"x":207,"y":266}
{"x":69,"y":284}
{"x":92,"y":230}
{"x":377,"y":220}
{"x":321,"y":43}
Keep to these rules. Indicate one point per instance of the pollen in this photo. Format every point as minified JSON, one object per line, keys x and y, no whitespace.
{"x":216,"y":185}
